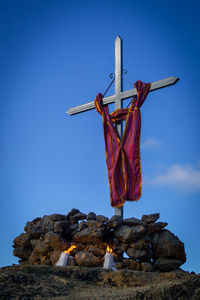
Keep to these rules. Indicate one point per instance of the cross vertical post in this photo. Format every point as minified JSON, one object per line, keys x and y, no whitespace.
{"x":118,"y":90}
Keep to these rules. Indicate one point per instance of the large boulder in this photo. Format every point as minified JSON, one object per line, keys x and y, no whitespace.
{"x":169,"y":246}
{"x":166,"y":265}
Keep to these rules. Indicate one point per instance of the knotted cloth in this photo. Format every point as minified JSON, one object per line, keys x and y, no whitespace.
{"x":123,"y":155}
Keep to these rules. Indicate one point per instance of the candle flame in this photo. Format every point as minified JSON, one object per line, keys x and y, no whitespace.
{"x":109,"y":250}
{"x":70,"y":249}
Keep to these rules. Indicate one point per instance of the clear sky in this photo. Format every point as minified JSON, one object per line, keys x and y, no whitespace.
{"x":58,"y":54}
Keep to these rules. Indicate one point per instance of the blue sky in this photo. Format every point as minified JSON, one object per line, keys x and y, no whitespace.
{"x":58,"y":54}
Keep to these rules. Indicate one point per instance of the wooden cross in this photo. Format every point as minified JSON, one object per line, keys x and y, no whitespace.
{"x":120,"y":95}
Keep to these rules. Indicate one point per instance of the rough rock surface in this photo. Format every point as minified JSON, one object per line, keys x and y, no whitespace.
{"x":66,"y":283}
{"x":149,"y":247}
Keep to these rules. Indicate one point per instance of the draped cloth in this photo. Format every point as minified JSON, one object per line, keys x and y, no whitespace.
{"x":123,"y":155}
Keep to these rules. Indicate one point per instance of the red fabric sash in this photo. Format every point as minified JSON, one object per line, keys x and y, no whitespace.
{"x":123,"y":155}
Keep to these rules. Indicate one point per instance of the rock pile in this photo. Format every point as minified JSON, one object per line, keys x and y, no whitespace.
{"x":147,"y":245}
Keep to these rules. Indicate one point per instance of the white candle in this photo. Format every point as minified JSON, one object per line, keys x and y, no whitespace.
{"x":109,"y":262}
{"x":62,"y":260}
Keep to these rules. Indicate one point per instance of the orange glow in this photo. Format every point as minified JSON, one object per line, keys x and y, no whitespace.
{"x":109,"y":250}
{"x":70,"y":249}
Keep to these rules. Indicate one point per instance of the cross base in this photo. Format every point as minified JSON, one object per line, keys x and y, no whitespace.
{"x":119,"y":211}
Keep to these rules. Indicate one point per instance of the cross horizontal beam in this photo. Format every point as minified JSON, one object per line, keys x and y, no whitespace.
{"x":123,"y":95}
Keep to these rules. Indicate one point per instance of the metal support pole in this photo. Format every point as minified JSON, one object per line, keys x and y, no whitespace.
{"x":118,"y":90}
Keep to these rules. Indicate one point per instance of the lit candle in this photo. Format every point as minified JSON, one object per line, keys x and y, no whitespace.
{"x":109,"y":260}
{"x":64,"y":257}
{"x":62,"y":260}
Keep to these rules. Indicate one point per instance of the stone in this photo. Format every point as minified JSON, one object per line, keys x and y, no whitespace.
{"x":61,"y":226}
{"x":141,"y":255}
{"x":36,"y":220}
{"x":166,"y":265}
{"x":169,"y":246}
{"x":54,"y":256}
{"x":72,"y":212}
{"x":131,"y":264}
{"x":137,"y":231}
{"x":143,"y":240}
{"x":48,"y":221}
{"x":146,"y":267}
{"x":141,"y":244}
{"x":129,"y":233}
{"x":55,"y":241}
{"x":27,"y":226}
{"x":133,"y":222}
{"x":35,"y":231}
{"x":154,"y":239}
{"x":40,"y":246}
{"x":35,"y":258}
{"x":72,"y":220}
{"x":54,"y":217}
{"x":22,"y":252}
{"x":101,"y":219}
{"x":22,"y":240}
{"x":80,"y":216}
{"x":89,"y":235}
{"x":150,"y":218}
{"x":91,"y":216}
{"x":96,"y":250}
{"x":87,"y":259}
{"x":93,"y":224}
{"x":156,"y":227}
{"x":114,"y":222}
{"x":123,"y":233}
